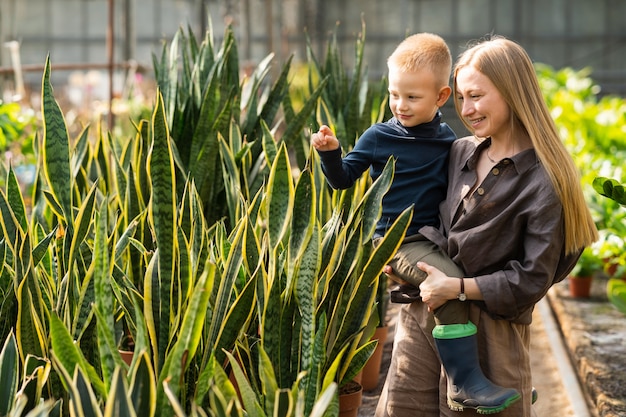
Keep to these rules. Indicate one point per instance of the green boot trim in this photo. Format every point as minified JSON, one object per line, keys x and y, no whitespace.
{"x":454,"y":331}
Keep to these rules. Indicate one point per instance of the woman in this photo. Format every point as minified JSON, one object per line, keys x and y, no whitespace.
{"x":514,"y":219}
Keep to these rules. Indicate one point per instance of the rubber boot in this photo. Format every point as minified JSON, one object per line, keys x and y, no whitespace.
{"x":467,"y":385}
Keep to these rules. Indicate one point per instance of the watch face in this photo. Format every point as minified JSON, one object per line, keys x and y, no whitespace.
{"x":462,"y":297}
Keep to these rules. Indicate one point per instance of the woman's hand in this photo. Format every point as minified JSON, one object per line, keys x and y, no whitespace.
{"x":388,"y":270}
{"x":437,"y":288}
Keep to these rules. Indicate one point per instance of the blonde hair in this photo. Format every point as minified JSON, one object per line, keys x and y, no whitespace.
{"x":510,"y":69}
{"x":423,"y":51}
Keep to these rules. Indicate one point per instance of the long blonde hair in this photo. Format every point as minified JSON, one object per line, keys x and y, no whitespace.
{"x":510,"y":69}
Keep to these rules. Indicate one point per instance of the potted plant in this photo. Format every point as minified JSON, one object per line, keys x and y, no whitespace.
{"x":582,"y":275}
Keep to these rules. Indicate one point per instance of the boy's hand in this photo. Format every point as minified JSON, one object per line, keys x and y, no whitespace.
{"x":324,"y":140}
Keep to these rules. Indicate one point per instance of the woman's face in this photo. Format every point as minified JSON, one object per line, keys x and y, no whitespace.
{"x":482,"y":105}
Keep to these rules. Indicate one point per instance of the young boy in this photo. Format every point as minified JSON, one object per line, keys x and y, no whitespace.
{"x":419,"y":72}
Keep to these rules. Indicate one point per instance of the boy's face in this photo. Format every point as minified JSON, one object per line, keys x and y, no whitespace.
{"x":414,"y":97}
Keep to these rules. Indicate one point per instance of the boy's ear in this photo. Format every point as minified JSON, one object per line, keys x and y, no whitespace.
{"x":444,"y":95}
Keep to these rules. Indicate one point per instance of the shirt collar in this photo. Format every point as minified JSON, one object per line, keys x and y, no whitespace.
{"x":425,"y":130}
{"x":522,"y":161}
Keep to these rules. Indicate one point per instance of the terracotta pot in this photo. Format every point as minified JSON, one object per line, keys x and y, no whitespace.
{"x":371,"y":370}
{"x":127,"y":356}
{"x":580,"y":287}
{"x":350,"y":398}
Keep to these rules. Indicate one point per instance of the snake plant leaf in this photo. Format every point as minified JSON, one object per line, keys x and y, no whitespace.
{"x":235,"y":322}
{"x":296,"y":125}
{"x":81,"y":150}
{"x":16,"y":201}
{"x":105,"y":324}
{"x":270,"y":147}
{"x":143,"y":387}
{"x":306,"y":274}
{"x":371,"y":203}
{"x":207,"y":378}
{"x":231,"y":176}
{"x":183,"y":351}
{"x":56,"y":152}
{"x":118,"y":403}
{"x":9,"y":374}
{"x":250,"y":401}
{"x":226,"y":286}
{"x":273,"y":339}
{"x":41,"y":249}
{"x":354,"y":364}
{"x":313,"y":377}
{"x":10,"y":223}
{"x":162,"y":213}
{"x":126,"y":237}
{"x":185,"y":272}
{"x":303,"y":223}
{"x":251,"y":249}
{"x":34,"y":386}
{"x":150,"y":308}
{"x":250,"y":95}
{"x":271,"y":106}
{"x":323,"y":404}
{"x":53,"y":204}
{"x":85,"y":399}
{"x":68,"y":354}
{"x":279,"y":198}
{"x":358,"y":305}
{"x":83,"y":222}
{"x":30,"y":331}
{"x":388,"y":246}
{"x":82,"y":400}
{"x":269,"y":384}
{"x":174,"y":407}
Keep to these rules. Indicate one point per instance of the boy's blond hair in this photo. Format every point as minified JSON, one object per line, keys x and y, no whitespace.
{"x":423,"y":51}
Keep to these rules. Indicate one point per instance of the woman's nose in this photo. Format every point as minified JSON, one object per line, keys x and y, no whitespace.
{"x":467,"y":108}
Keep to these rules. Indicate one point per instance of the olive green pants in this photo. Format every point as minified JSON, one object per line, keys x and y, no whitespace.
{"x":417,"y":248}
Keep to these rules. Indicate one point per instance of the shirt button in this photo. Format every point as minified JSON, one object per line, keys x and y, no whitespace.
{"x":506,"y":161}
{"x":480,"y":191}
{"x":495,"y":171}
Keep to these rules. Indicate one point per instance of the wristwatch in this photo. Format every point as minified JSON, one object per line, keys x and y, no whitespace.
{"x":462,"y":296}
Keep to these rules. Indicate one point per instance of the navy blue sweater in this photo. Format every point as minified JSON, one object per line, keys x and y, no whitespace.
{"x":421,"y":155}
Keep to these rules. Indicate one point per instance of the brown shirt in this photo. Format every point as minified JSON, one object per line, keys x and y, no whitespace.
{"x":507,"y":234}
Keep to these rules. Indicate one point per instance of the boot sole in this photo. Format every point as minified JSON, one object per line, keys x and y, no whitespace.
{"x":457,"y":406}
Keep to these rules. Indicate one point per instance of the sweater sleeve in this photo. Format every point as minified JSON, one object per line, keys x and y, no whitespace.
{"x":341,"y":173}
